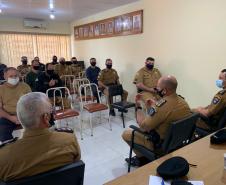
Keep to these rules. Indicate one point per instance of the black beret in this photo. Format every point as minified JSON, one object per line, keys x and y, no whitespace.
{"x":219,"y":137}
{"x":173,"y":168}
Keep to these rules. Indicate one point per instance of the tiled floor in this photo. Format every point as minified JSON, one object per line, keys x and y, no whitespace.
{"x":104,"y":153}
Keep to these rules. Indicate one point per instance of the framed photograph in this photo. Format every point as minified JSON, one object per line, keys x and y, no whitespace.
{"x":76,"y":33}
{"x":80,"y":32}
{"x":102,"y":28}
{"x":96,"y":30}
{"x":137,"y":22}
{"x":121,"y":25}
{"x":110,"y":27}
{"x":86,"y":31}
{"x":91,"y":30}
{"x":118,"y":24}
{"x":126,"y":23}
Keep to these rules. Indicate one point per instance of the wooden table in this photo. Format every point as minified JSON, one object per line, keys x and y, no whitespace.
{"x":208,"y":158}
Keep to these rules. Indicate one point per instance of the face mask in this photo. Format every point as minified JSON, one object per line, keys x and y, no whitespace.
{"x":54,"y":59}
{"x":93,"y":63}
{"x":51,"y":121}
{"x":150,"y":66}
{"x":109,"y":66}
{"x":13,"y":81}
{"x":50,"y":72}
{"x":160,"y":92}
{"x":62,"y":62}
{"x":75,"y":62}
{"x":219,"y":83}
{"x":36,"y":68}
{"x":24,"y":62}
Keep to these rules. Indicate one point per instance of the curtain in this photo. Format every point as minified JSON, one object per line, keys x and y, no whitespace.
{"x":15,"y":45}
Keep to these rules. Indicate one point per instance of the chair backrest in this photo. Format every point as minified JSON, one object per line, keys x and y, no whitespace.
{"x":180,"y":133}
{"x":72,"y":174}
{"x":68,"y":80}
{"x":62,"y":94}
{"x":88,"y":93}
{"x":222,"y":121}
{"x":115,"y":90}
{"x":79,"y":81}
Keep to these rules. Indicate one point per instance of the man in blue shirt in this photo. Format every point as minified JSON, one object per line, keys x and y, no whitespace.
{"x":92,"y":73}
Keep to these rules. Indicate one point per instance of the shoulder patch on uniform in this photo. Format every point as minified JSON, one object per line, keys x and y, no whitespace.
{"x":222,"y":92}
{"x":215,"y":100}
{"x":160,"y":102}
{"x":151,"y":111}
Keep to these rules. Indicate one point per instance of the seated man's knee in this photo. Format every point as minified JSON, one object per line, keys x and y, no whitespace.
{"x":126,"y":135}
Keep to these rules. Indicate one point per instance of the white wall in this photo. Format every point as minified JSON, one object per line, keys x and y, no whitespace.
{"x":187,"y":38}
{"x":16,"y":25}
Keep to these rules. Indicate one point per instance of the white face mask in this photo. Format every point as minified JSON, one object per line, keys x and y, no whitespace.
{"x":13,"y":81}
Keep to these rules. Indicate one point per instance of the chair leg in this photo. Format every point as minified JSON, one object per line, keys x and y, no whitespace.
{"x":123,"y":121}
{"x":79,"y":120}
{"x":130,"y":151}
{"x":109,"y":120}
{"x":90,"y":122}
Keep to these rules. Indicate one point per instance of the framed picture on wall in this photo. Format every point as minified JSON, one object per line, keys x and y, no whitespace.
{"x":137,"y":22}
{"x":118,"y":24}
{"x":96,"y":30}
{"x":127,"y":24}
{"x":91,"y":30}
{"x":110,"y":27}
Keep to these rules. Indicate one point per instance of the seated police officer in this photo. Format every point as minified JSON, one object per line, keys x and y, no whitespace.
{"x":32,"y":76}
{"x":213,"y":112}
{"x":39,"y":150}
{"x":92,"y":73}
{"x":42,"y":66}
{"x":24,"y":68}
{"x":10,"y":92}
{"x":168,"y":109}
{"x":108,"y":77}
{"x":146,"y":80}
{"x":49,"y":79}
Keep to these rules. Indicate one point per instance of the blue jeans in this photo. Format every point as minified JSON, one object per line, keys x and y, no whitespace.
{"x":6,"y":129}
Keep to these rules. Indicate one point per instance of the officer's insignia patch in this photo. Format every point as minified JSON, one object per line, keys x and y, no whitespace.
{"x":222,"y":92}
{"x":151,"y":111}
{"x":160,"y":102}
{"x":215,"y":100}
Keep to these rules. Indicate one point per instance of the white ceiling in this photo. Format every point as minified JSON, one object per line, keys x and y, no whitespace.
{"x":64,"y":10}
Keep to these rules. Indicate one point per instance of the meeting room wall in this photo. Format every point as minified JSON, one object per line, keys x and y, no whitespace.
{"x":8,"y":24}
{"x":187,"y":39}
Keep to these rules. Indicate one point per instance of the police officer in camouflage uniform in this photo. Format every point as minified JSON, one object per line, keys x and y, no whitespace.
{"x":76,"y":68}
{"x":24,"y":68}
{"x":168,"y":109}
{"x":107,"y":77}
{"x":215,"y":110}
{"x":146,"y":80}
{"x":62,"y":69}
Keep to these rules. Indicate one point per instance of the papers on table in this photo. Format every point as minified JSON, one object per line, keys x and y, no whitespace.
{"x":155,"y":180}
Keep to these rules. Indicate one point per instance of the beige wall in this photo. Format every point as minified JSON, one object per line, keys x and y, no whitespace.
{"x":16,"y":25}
{"x":187,"y":38}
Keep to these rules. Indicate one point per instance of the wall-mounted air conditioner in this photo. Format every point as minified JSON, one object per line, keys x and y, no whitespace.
{"x":35,"y":23}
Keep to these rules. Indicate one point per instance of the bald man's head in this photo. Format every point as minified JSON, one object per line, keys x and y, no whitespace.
{"x":167,"y":85}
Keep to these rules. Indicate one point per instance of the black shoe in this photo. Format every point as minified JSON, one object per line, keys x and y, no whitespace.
{"x":137,"y":161}
{"x":134,"y":161}
{"x":112,"y":112}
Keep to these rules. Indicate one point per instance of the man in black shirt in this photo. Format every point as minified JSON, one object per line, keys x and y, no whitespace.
{"x":2,"y":68}
{"x":92,"y":73}
{"x":49,"y":79}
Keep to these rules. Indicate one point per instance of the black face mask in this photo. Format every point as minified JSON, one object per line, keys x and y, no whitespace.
{"x":50,"y":72}
{"x":68,"y":63}
{"x":54,"y":59}
{"x":109,"y":66}
{"x":93,"y":63}
{"x":62,"y":63}
{"x":75,"y":62}
{"x":150,"y":66}
{"x":51,"y":121}
{"x":24,"y":62}
{"x":36,"y":68}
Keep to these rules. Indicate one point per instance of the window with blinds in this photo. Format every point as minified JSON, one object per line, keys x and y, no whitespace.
{"x":15,"y":45}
